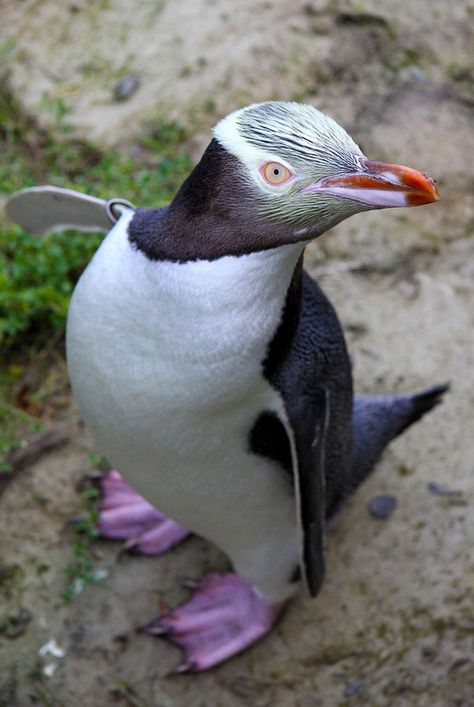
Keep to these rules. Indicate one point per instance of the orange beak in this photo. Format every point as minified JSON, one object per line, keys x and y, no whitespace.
{"x":381,"y":185}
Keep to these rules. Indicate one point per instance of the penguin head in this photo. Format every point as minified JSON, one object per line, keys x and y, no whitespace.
{"x":298,"y":167}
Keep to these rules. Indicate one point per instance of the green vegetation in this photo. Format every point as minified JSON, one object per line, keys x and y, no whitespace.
{"x":37,"y":276}
{"x":81,"y":571}
{"x":14,"y":424}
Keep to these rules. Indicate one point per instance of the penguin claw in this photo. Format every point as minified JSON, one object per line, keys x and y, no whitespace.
{"x":153,"y":629}
{"x":224,"y":616}
{"x":125,"y":515}
{"x":188,"y":583}
{"x":183,"y":667}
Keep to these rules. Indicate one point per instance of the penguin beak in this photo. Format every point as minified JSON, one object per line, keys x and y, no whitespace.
{"x":381,"y":185}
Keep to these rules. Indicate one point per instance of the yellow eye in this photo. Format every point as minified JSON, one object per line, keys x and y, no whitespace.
{"x":275,"y":173}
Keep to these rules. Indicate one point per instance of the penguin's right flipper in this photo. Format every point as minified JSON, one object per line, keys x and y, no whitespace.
{"x":42,"y":210}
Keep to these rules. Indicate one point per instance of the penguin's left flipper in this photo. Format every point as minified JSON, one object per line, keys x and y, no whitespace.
{"x":309,"y":427}
{"x":296,"y":367}
{"x":297,"y":440}
{"x":42,"y":210}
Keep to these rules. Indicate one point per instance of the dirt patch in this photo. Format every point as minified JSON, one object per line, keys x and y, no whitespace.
{"x":195,"y":61}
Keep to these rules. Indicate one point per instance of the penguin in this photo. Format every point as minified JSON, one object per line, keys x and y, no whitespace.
{"x":213,"y":373}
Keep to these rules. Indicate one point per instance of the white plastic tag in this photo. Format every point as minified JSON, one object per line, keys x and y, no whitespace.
{"x":42,"y":210}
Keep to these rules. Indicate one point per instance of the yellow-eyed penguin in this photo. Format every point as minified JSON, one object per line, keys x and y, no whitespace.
{"x":213,"y":373}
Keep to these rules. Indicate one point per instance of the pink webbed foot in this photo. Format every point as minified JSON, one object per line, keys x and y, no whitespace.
{"x":124,"y":515}
{"x":224,"y":616}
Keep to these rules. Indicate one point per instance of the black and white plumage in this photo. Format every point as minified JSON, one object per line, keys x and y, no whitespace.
{"x":213,"y":372}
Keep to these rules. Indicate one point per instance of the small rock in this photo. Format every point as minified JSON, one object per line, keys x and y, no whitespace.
{"x":49,"y":670}
{"x":51,"y":648}
{"x":126,"y":87}
{"x":381,"y":507}
{"x":442,"y":490}
{"x":354,"y":688}
{"x":417,"y":74}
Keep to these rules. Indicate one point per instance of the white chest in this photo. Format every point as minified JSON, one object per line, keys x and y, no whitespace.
{"x":165,"y":361}
{"x":167,"y":336}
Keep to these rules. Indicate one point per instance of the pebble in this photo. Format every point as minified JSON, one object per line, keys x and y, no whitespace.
{"x":49,"y":670}
{"x":354,"y":688}
{"x":442,"y":490}
{"x":381,"y":507}
{"x":416,"y":73}
{"x":126,"y":87}
{"x":51,"y":648}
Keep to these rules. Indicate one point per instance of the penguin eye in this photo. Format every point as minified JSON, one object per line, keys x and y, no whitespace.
{"x":275,"y":173}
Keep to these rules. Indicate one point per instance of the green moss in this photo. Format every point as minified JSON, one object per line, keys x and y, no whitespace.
{"x":98,"y":462}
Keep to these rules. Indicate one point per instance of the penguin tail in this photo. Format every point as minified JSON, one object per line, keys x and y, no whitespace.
{"x":376,"y":420}
{"x":423,"y":402}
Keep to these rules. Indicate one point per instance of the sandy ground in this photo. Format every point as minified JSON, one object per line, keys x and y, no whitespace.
{"x":394,"y":623}
{"x":196,"y":60}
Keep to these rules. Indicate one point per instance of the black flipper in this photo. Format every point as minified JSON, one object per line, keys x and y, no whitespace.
{"x":306,"y":425}
{"x":310,"y":441}
{"x":376,"y":420}
{"x":308,"y":364}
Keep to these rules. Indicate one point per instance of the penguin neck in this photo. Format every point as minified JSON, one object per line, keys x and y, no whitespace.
{"x":223,"y":308}
{"x":211,"y":216}
{"x":240,"y":288}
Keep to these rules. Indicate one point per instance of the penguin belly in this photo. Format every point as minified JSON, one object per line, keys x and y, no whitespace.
{"x":165,"y":361}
